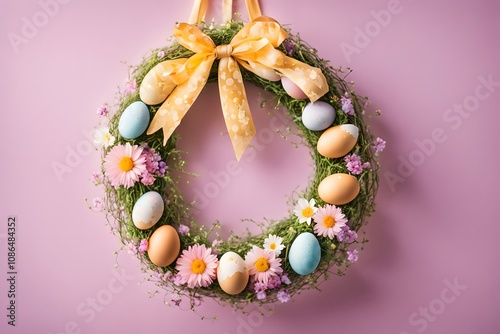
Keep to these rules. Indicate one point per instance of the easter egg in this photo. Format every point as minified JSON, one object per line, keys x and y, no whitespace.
{"x":304,"y":254}
{"x":292,"y":89}
{"x":147,"y":210}
{"x":164,"y":246}
{"x":134,"y":120}
{"x":232,"y":273}
{"x":338,"y":189}
{"x":318,"y":116}
{"x":337,"y":141}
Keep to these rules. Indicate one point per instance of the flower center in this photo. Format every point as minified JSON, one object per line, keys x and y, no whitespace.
{"x":272,"y":246}
{"x":307,"y":212}
{"x":261,"y":265}
{"x":329,"y":221}
{"x":198,"y":266}
{"x":126,"y":164}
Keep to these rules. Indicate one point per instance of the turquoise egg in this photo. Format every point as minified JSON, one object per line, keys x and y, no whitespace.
{"x":304,"y":254}
{"x":318,"y":116}
{"x":134,"y":120}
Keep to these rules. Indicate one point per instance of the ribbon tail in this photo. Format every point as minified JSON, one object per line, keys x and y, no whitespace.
{"x":198,"y":11}
{"x":309,"y":79}
{"x":171,"y":112}
{"x":159,"y":82}
{"x":262,"y":71}
{"x":235,"y":108}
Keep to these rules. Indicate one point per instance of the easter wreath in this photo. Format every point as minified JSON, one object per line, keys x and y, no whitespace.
{"x":145,"y":208}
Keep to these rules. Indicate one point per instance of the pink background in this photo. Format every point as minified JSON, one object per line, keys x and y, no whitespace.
{"x":436,"y":223}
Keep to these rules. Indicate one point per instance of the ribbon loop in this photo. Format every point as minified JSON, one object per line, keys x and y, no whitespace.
{"x":223,"y":51}
{"x":253,"y":48}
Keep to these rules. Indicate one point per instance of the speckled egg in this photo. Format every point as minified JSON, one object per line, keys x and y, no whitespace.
{"x":338,"y":189}
{"x":304,"y":254}
{"x":292,"y":89}
{"x":134,"y":120}
{"x":164,"y":246}
{"x":147,"y":210}
{"x":318,"y":116}
{"x":232,"y":273}
{"x":338,"y":140}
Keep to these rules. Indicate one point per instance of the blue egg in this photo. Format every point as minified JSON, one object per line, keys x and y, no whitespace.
{"x":318,"y":116}
{"x":134,"y":120}
{"x":304,"y":254}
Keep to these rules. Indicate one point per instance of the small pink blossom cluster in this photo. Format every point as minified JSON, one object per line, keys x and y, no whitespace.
{"x":130,"y":87}
{"x":347,"y":235}
{"x":346,"y":105}
{"x":354,"y":164}
{"x":102,"y":110}
{"x":379,"y":145}
{"x":155,"y":166}
{"x":133,"y":249}
{"x":274,"y":283}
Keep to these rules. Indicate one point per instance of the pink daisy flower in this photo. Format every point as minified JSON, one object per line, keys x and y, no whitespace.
{"x":329,"y":221}
{"x":124,"y":164}
{"x":197,"y":266}
{"x":263,"y":264}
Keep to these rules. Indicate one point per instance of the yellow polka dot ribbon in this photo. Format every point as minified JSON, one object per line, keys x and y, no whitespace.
{"x":179,"y":82}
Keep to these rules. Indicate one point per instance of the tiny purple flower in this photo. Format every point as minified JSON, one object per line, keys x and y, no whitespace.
{"x":154,"y":164}
{"x":176,"y":279}
{"x":347,"y":106}
{"x":259,"y":287}
{"x":274,"y":283}
{"x":283,"y":296}
{"x":176,"y":300}
{"x":162,"y":168}
{"x":143,"y":246}
{"x":183,"y":229}
{"x":160,"y":54}
{"x":130,"y":87}
{"x":261,"y":295}
{"x":147,"y":178}
{"x":102,"y":110}
{"x":354,"y":164}
{"x":131,"y":249}
{"x":379,"y":145}
{"x":289,"y":46}
{"x":216,"y":243}
{"x":98,"y":203}
{"x":347,"y":235}
{"x":285,"y":279}
{"x":352,"y":256}
{"x":97,"y":178}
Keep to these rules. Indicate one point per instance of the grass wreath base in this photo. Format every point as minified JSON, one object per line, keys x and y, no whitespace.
{"x":119,"y":202}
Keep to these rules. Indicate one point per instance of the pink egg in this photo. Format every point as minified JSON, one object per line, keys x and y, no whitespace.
{"x":292,"y":89}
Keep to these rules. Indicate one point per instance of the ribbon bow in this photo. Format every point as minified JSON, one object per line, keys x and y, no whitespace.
{"x":180,"y":81}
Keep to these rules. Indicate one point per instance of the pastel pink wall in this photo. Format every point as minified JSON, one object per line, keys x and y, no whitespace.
{"x":437,"y":220}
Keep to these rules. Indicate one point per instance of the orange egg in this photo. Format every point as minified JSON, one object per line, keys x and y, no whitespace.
{"x":164,"y":246}
{"x":337,"y":141}
{"x":338,"y":189}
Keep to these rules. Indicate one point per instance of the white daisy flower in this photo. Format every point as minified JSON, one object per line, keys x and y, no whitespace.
{"x":102,"y":137}
{"x":304,"y":210}
{"x":274,"y":244}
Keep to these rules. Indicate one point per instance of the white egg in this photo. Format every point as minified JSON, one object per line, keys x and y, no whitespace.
{"x":147,"y":210}
{"x":318,"y":116}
